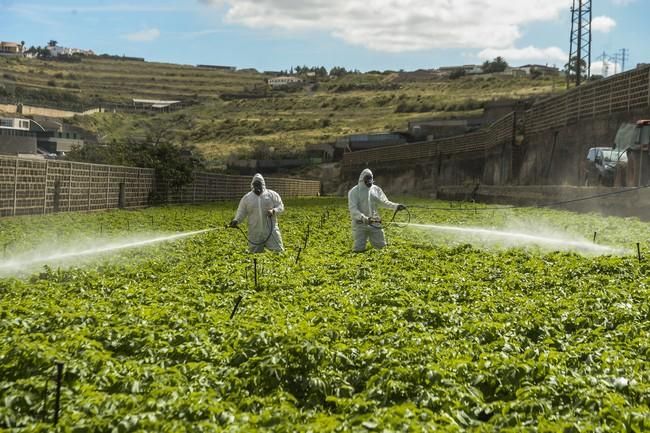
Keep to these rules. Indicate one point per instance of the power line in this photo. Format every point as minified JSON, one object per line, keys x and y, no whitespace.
{"x":625,"y":54}
{"x":614,"y":58}
{"x":604,"y":59}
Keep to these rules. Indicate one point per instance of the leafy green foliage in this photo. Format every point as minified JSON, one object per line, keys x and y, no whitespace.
{"x":174,"y":164}
{"x":428,"y":334}
{"x":499,"y":64}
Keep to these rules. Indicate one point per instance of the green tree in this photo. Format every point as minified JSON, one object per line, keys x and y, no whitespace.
{"x":572,"y":67}
{"x":499,"y":64}
{"x":174,"y":164}
{"x":338,"y":71}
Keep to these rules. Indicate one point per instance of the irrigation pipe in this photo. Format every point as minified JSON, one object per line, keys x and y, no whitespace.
{"x":543,"y":205}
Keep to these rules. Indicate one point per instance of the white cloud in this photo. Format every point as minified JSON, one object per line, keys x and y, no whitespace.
{"x":605,"y":69}
{"x":108,"y":8}
{"x":146,"y":35}
{"x":602,"y":24}
{"x":597,"y":68}
{"x":622,"y":2}
{"x":530,"y":53}
{"x":399,"y":25}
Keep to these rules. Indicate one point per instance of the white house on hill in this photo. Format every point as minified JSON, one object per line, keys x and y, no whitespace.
{"x":284,"y":81}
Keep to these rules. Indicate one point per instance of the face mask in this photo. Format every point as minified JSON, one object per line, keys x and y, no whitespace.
{"x":368,"y":181}
{"x":257,"y":188}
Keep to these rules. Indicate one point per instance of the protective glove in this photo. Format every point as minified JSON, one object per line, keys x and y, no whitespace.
{"x":400,"y":207}
{"x":233,"y":224}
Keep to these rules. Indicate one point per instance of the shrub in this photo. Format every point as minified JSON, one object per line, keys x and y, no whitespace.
{"x":403,"y":107}
{"x":51,"y":83}
{"x":457,"y":74}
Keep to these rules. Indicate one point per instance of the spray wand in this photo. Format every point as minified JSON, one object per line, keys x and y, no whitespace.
{"x":376,"y":223}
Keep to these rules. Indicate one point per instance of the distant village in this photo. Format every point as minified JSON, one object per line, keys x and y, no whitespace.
{"x":298,"y":76}
{"x":44,"y":137}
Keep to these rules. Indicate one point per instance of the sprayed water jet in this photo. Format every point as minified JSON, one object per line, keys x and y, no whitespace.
{"x":19,"y":264}
{"x":521,"y":239}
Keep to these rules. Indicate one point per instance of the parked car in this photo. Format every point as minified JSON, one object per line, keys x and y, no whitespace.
{"x":602,"y":165}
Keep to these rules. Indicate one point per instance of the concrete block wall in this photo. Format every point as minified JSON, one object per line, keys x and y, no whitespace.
{"x":36,"y":186}
{"x":472,"y":158}
{"x":545,"y":145}
{"x":212,"y":186}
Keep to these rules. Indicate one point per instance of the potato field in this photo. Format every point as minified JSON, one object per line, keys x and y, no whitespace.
{"x":440,"y":331}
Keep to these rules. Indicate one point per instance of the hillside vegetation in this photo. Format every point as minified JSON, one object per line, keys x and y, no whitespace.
{"x":233,"y":113}
{"x":95,"y":80}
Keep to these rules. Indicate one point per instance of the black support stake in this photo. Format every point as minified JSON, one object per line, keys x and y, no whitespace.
{"x":255,"y":271}
{"x":298,"y":256}
{"x":306,"y":237}
{"x":59,"y":379}
{"x":595,"y":237}
{"x":638,"y":251}
{"x":234,"y":310}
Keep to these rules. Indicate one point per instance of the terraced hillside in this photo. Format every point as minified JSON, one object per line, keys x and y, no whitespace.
{"x":233,"y":113}
{"x":97,"y":79}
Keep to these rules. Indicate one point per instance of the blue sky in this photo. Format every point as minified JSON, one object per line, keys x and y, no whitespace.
{"x":356,"y":34}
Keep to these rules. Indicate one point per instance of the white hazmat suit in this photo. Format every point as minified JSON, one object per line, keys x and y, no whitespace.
{"x":363,"y":203}
{"x":261,"y":211}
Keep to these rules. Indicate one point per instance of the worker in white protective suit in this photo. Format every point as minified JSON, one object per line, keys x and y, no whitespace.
{"x":363,"y":202}
{"x":261,"y":206}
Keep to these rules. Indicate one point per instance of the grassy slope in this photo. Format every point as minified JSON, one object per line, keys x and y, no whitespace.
{"x":98,"y":79}
{"x":269,"y":127}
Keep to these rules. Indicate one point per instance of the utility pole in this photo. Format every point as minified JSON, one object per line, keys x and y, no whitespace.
{"x":625,"y":55}
{"x":604,"y":58}
{"x":614,"y":59}
{"x":580,"y":41}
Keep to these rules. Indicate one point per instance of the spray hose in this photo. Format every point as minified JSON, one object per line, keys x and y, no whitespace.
{"x":392,"y":221}
{"x":248,"y":239}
